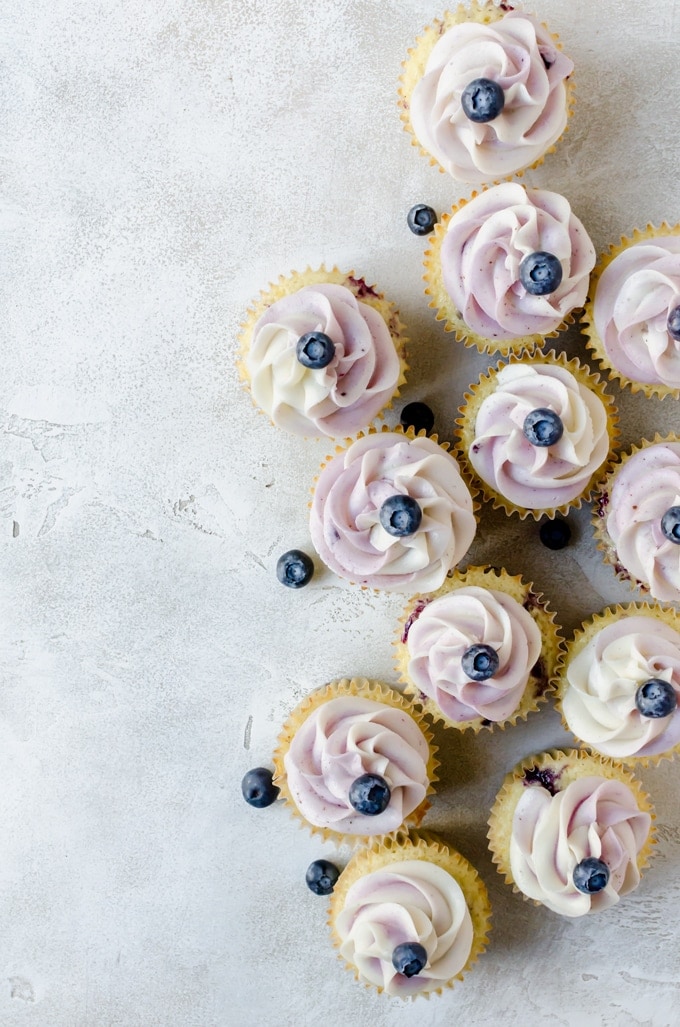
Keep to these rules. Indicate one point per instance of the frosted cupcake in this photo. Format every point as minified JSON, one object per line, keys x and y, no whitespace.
{"x":619,"y":683}
{"x":355,"y":760}
{"x":391,"y":511}
{"x":322,"y":352}
{"x":507,"y":268}
{"x":571,"y":831}
{"x":485,"y":92}
{"x":634,"y":315}
{"x":409,"y":915}
{"x":480,"y":652}
{"x":537,"y":434}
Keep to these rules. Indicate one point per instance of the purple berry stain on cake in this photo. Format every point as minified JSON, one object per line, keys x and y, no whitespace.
{"x":538,"y":671}
{"x":545,"y":777}
{"x":413,"y":617}
{"x":602,"y":504}
{"x":361,"y":288}
{"x":532,"y":602}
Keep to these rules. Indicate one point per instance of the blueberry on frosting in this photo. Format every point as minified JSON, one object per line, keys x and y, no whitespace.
{"x":315,"y":350}
{"x":369,"y":795}
{"x":673,"y":323}
{"x":400,"y":515}
{"x":656,"y":698}
{"x":670,"y":524}
{"x":482,"y":100}
{"x":540,"y":273}
{"x":421,"y":219}
{"x":543,"y":427}
{"x":590,"y":875}
{"x":480,"y":662}
{"x":409,"y":958}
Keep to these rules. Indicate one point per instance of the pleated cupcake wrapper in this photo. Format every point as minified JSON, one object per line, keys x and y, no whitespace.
{"x":538,"y":687}
{"x":587,"y":631}
{"x":593,"y":341}
{"x":417,"y":58}
{"x":582,"y":764}
{"x":485,"y":387}
{"x":422,"y":845}
{"x":367,"y":689}
{"x":286,"y":285}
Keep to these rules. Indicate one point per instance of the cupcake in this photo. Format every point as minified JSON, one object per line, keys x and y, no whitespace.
{"x":633,"y":316}
{"x":481,"y":651}
{"x":485,"y":91}
{"x":507,"y":268}
{"x":536,"y":434}
{"x":409,"y":916}
{"x":322,"y":352}
{"x":391,"y":511}
{"x":571,"y":831}
{"x":619,"y":683}
{"x":356,"y":760}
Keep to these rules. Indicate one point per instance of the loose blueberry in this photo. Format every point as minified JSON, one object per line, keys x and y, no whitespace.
{"x":670,"y":524}
{"x":417,"y":416}
{"x":258,"y":788}
{"x":482,"y":100}
{"x":321,"y":876}
{"x":294,"y":569}
{"x":369,"y":795}
{"x":590,"y":875}
{"x":315,"y":350}
{"x":480,"y":662}
{"x":409,"y":958}
{"x":543,"y":427}
{"x":656,"y":698}
{"x":400,"y":515}
{"x":673,"y":323}
{"x":421,"y":219}
{"x":540,"y":273}
{"x":555,"y":534}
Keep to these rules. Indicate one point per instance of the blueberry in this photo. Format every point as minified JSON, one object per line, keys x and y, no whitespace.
{"x":670,"y":524}
{"x":400,"y":515}
{"x":543,"y":427}
{"x":321,"y":876}
{"x":555,"y":534}
{"x":315,"y":350}
{"x":482,"y":100}
{"x":417,"y":416}
{"x":421,"y":219}
{"x":409,"y":958}
{"x":369,"y":795}
{"x":480,"y":662}
{"x":540,"y":273}
{"x":656,"y":698}
{"x":590,"y":875}
{"x":294,"y":569}
{"x":673,"y":323}
{"x":258,"y":788}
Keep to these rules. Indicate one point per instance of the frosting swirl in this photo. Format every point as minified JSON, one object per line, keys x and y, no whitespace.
{"x":447,"y":627}
{"x":487,"y":239}
{"x":634,"y":297}
{"x":345,"y":516}
{"x":520,"y":55}
{"x":341,"y":740}
{"x":592,"y":817}
{"x":539,"y":477}
{"x":409,"y":901}
{"x":599,"y":701}
{"x":335,"y":400}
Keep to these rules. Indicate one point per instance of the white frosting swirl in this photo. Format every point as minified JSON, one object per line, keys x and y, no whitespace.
{"x":520,"y":55}
{"x":335,"y":400}
{"x":599,"y":702}
{"x":341,"y":740}
{"x":409,"y":901}
{"x":635,"y":294}
{"x":592,"y":817}
{"x":447,"y":627}
{"x":345,"y":517}
{"x":539,"y":477}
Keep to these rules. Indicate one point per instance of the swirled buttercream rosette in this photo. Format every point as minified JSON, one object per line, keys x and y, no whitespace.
{"x":632,"y":319}
{"x":525,"y":62}
{"x":501,"y":452}
{"x":347,"y":378}
{"x":341,"y":732}
{"x":406,"y":889}
{"x":440,"y":635}
{"x":571,"y":831}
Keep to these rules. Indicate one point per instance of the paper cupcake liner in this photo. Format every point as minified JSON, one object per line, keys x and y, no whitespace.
{"x":485,"y":386}
{"x":542,"y":677}
{"x":593,"y":341}
{"x":579,"y":764}
{"x":367,"y":689}
{"x":421,"y":845}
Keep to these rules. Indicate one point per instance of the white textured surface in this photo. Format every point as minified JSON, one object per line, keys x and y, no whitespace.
{"x":162,"y":160}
